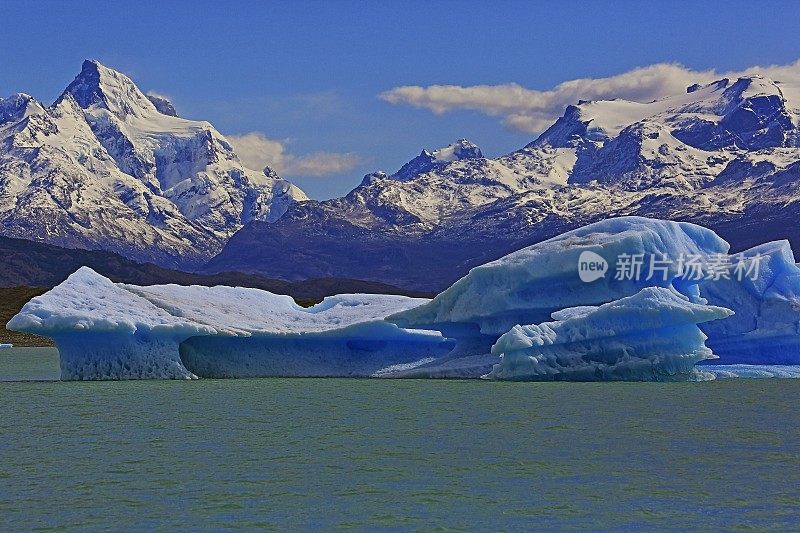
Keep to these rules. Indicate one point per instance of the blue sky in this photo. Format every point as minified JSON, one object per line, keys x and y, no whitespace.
{"x":308,"y":75}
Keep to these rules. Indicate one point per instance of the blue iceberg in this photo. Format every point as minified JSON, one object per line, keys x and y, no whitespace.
{"x":525,"y":287}
{"x":528,"y":286}
{"x":650,"y":336}
{"x":618,"y":299}
{"x":766,"y":326}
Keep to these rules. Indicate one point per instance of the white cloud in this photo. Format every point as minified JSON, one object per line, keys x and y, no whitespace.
{"x":256,"y":151}
{"x":532,"y":111}
{"x":321,"y":163}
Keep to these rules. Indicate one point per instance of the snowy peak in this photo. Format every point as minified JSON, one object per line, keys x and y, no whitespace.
{"x":109,"y":167}
{"x":461,"y":149}
{"x":683,"y":140}
{"x":426,"y":161}
{"x":568,"y":131}
{"x":100,"y":86}
{"x":679,"y":143}
{"x":18,"y":106}
{"x":751,"y":113}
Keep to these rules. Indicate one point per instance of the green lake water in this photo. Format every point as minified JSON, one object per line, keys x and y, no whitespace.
{"x":407,"y":454}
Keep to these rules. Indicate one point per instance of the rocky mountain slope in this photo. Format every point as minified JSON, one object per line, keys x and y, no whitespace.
{"x":726,"y":155}
{"x":106,"y":167}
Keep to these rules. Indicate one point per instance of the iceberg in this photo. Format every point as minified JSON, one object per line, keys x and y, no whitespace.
{"x":528,"y":286}
{"x":766,"y":326}
{"x":525,"y":287}
{"x":106,"y":330}
{"x":650,"y":336}
{"x":563,"y":309}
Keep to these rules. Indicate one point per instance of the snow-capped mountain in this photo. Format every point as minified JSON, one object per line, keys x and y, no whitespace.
{"x":726,"y":155}
{"x":107,"y":167}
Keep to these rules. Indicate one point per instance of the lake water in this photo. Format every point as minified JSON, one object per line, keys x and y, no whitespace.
{"x":374,"y":454}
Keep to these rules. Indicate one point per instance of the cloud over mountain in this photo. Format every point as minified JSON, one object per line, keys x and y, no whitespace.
{"x":532,"y":111}
{"x":256,"y":150}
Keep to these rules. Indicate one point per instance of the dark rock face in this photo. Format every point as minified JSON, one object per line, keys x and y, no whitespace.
{"x":163,"y":105}
{"x":85,"y":88}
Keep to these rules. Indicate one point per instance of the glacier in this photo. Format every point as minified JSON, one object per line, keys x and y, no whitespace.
{"x":650,"y":336}
{"x":105,"y":330}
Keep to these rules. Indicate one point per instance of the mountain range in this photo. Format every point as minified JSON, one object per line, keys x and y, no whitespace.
{"x":109,"y":168}
{"x":725,"y":155}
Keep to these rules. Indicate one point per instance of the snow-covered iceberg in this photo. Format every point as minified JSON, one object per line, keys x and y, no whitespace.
{"x":650,"y":336}
{"x":106,"y":330}
{"x":765,"y":294}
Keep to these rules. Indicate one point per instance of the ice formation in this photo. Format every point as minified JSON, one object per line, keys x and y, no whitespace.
{"x":650,"y":336}
{"x":752,"y":371}
{"x":105,"y":330}
{"x":528,"y":286}
{"x":525,"y":287}
{"x":543,"y":280}
{"x":537,"y":308}
{"x":766,"y":326}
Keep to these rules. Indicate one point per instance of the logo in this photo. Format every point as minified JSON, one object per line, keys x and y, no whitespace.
{"x":591,"y":266}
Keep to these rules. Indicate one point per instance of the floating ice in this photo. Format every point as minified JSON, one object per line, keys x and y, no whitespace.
{"x":525,"y":287}
{"x":753,"y":371}
{"x":587,"y":324}
{"x":766,"y":326}
{"x":105,"y":330}
{"x":528,"y":286}
{"x":650,"y":336}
